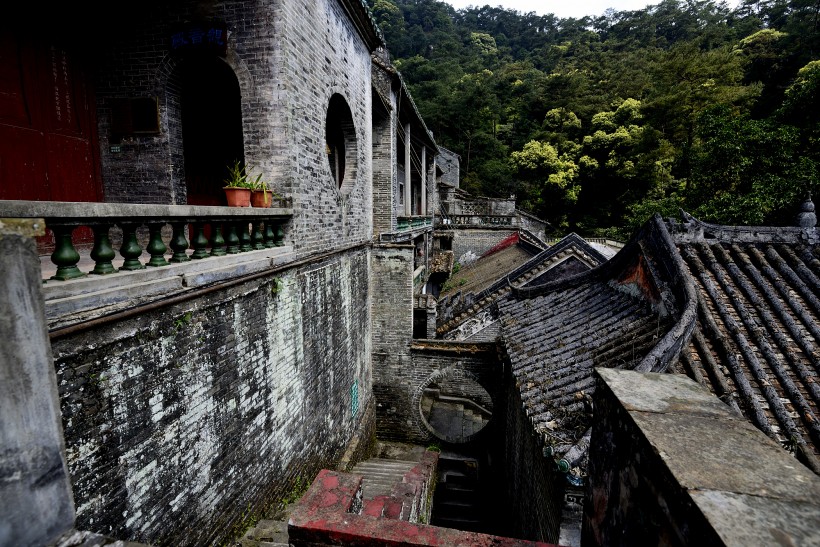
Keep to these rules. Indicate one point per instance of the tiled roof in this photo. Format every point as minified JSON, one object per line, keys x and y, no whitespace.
{"x":735,"y":308}
{"x":757,"y":340}
{"x":620,"y":314}
{"x":571,"y":255}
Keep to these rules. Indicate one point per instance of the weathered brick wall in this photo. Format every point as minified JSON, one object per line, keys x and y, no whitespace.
{"x":183,"y":422}
{"x":671,"y":464}
{"x":534,"y":491}
{"x":477,"y":241}
{"x":289,"y":58}
{"x":392,"y":313}
{"x":399,"y":394}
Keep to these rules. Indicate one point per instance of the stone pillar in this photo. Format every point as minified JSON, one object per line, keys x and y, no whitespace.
{"x":408,"y":172}
{"x":423,"y":180}
{"x":37,"y":501}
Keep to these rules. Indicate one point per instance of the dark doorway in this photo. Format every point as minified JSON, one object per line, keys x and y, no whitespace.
{"x":211,"y":127}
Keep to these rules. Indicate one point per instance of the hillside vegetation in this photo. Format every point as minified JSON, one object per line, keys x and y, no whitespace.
{"x":596,"y":123}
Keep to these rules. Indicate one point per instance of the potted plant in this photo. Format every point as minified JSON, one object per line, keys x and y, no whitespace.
{"x":262,"y":195}
{"x":237,"y":186}
{"x":260,"y":192}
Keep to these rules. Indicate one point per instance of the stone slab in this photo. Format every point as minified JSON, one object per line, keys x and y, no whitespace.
{"x":115,"y":295}
{"x":227,"y":272}
{"x":742,"y":519}
{"x":669,"y":393}
{"x":726,"y":454}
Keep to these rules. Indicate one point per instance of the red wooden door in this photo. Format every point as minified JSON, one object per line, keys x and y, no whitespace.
{"x":47,"y":125}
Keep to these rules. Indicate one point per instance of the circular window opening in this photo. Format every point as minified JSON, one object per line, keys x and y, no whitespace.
{"x":340,"y":141}
{"x":454,"y":407}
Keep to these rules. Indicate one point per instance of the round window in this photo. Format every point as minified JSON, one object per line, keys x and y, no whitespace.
{"x":454,"y":406}
{"x":340,"y":141}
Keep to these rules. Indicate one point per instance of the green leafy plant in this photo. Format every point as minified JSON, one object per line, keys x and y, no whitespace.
{"x":238,"y":176}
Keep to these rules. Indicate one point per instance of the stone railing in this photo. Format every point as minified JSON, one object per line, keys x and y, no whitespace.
{"x":482,"y":220}
{"x":411,"y":222}
{"x":232,"y":230}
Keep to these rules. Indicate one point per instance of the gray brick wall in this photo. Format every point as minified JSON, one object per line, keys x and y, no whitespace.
{"x":534,"y":490}
{"x":289,"y":58}
{"x":185,"y":421}
{"x":398,"y":397}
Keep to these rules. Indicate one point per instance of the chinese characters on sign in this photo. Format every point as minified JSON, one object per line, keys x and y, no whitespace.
{"x":212,"y":38}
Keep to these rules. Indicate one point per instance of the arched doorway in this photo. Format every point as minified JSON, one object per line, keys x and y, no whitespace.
{"x":211,"y":115}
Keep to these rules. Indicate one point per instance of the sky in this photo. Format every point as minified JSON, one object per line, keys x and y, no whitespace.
{"x":561,"y":8}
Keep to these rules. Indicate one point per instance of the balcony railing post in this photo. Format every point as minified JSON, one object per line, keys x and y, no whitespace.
{"x":280,"y":234}
{"x":156,"y":247}
{"x":130,"y":249}
{"x":199,"y":242}
{"x":102,"y":253}
{"x":65,"y":256}
{"x":178,"y":242}
{"x":217,"y":241}
{"x":257,"y":237}
{"x":232,"y":239}
{"x":270,"y":236}
{"x":244,"y":237}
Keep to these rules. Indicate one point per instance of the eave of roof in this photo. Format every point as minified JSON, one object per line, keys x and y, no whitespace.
{"x":362,"y":18}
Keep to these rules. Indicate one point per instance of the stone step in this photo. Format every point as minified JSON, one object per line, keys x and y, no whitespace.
{"x":266,"y":533}
{"x":381,"y":475}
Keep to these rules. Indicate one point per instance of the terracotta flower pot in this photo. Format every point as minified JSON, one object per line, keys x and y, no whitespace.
{"x":262,"y":198}
{"x":238,"y":197}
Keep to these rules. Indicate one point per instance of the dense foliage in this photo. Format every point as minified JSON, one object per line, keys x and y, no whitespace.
{"x":599,"y":122}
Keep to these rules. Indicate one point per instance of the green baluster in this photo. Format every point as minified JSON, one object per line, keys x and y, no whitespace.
{"x":102,"y":253}
{"x":130,"y":249}
{"x":244,"y":237}
{"x":280,"y":234}
{"x":269,"y":235}
{"x":156,"y":247}
{"x":257,"y":237}
{"x":199,"y":242}
{"x":232,"y":239}
{"x":217,"y":241}
{"x":179,"y":243}
{"x":65,"y":256}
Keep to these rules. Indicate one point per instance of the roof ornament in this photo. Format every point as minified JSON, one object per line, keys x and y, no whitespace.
{"x":806,"y":218}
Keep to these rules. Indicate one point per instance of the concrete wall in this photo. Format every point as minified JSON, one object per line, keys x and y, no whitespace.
{"x":37,"y":505}
{"x":186,"y":421}
{"x":670,"y":464}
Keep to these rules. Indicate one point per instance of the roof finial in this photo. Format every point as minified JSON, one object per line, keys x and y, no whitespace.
{"x":806,"y":217}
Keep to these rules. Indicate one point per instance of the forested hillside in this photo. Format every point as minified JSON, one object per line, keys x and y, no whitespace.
{"x":599,"y":122}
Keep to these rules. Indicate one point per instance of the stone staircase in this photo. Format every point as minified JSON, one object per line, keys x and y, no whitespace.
{"x":380,"y":475}
{"x":391,"y":488}
{"x":397,"y":489}
{"x":459,"y":501}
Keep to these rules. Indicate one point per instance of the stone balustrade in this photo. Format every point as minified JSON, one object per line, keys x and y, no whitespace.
{"x":483,"y":220}
{"x":405,"y":223}
{"x":231,"y":230}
